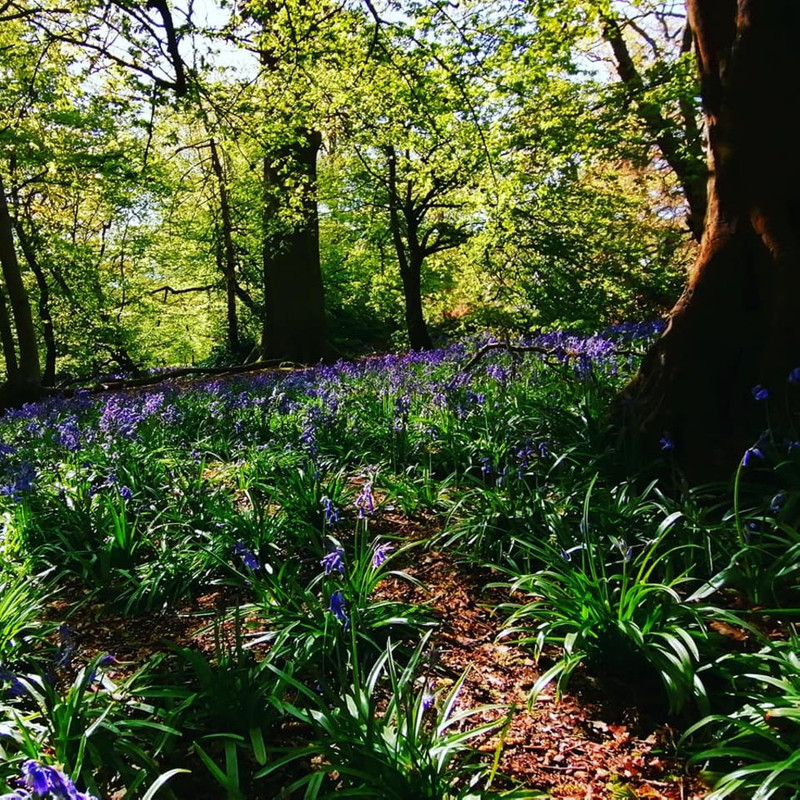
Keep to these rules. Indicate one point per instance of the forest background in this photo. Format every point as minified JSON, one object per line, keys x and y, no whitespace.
{"x":208,"y":184}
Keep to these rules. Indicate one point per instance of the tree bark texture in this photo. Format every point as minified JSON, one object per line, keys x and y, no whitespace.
{"x":228,"y":251}
{"x":45,"y":317}
{"x":737,"y":324}
{"x":294,"y":323}
{"x":27,"y":378}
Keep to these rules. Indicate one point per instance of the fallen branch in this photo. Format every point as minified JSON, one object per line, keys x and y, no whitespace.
{"x":149,"y":380}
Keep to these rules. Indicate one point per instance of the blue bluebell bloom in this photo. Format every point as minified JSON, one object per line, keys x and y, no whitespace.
{"x":333,"y":561}
{"x":337,"y":608}
{"x":751,"y":456}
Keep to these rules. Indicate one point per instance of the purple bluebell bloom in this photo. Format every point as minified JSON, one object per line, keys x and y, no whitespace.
{"x":49,"y":782}
{"x":381,"y":554}
{"x":794,"y":376}
{"x":666,"y":443}
{"x":759,"y":393}
{"x":330,"y":511}
{"x":333,"y":561}
{"x":365,"y":502}
{"x":428,"y":696}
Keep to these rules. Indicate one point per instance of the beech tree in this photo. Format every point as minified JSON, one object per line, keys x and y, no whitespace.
{"x":737,"y":324}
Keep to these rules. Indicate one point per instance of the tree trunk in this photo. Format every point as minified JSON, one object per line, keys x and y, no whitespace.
{"x":410,"y":255}
{"x":418,"y":336}
{"x":48,"y":332}
{"x":228,"y":251}
{"x":7,"y":338}
{"x":25,"y":383}
{"x":294,"y":323}
{"x":737,"y":324}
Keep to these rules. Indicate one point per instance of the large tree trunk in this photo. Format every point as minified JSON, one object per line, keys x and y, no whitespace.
{"x":25,"y":382}
{"x":737,"y":324}
{"x":418,"y":336}
{"x":294,"y":323}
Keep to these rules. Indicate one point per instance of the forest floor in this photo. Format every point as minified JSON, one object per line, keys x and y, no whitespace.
{"x":586,"y":745}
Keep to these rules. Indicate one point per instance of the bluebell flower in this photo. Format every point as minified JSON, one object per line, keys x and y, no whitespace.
{"x":365,"y":502}
{"x":66,"y":647}
{"x":49,"y":782}
{"x":248,"y":556}
{"x":567,"y":554}
{"x":337,"y":608}
{"x":777,"y":502}
{"x":751,"y":456}
{"x":330,"y":511}
{"x":16,"y":688}
{"x":543,"y":448}
{"x":666,"y":443}
{"x":760,"y":393}
{"x":334,"y":561}
{"x":381,"y":554}
{"x":428,"y":696}
{"x":794,"y":376}
{"x":125,"y":493}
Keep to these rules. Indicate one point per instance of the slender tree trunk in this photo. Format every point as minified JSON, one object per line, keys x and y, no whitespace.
{"x":7,"y":338}
{"x":48,"y":332}
{"x":410,"y":256}
{"x":27,"y":380}
{"x":294,"y":322}
{"x":737,"y":324}
{"x":228,"y":251}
